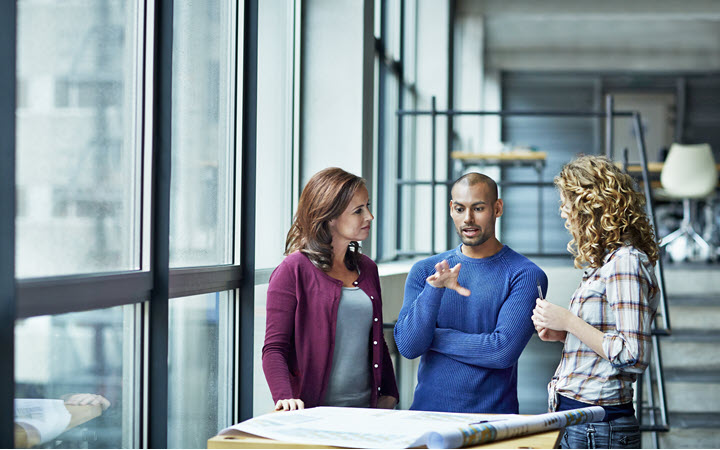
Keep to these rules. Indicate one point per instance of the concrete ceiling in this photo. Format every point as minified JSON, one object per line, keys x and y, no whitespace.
{"x":662,"y":33}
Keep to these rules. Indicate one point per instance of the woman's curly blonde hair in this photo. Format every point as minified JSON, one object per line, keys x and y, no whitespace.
{"x":604,"y":211}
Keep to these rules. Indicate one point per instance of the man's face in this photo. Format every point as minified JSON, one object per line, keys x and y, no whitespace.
{"x":474,"y":210}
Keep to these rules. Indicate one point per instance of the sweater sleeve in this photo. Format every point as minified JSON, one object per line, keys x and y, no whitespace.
{"x":280,"y":332}
{"x":502,"y":347}
{"x":416,"y":322}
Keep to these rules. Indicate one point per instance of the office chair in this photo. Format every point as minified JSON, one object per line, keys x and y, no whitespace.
{"x":689,"y":173}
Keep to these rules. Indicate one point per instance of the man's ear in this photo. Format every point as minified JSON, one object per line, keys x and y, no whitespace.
{"x":498,"y":208}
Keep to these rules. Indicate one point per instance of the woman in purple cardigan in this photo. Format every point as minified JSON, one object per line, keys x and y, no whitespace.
{"x":324,"y":343}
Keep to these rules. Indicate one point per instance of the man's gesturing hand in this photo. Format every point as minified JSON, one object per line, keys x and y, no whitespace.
{"x":445,"y":277}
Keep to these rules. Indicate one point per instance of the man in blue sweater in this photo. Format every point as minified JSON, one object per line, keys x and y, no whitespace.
{"x":466,"y":312}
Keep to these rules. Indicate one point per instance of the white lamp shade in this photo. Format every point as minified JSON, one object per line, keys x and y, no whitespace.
{"x":689,"y":171}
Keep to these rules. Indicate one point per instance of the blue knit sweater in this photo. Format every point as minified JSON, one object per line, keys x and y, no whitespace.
{"x":469,"y":346}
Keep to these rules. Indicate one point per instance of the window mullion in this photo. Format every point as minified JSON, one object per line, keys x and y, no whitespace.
{"x":8,"y":16}
{"x":157,"y":357}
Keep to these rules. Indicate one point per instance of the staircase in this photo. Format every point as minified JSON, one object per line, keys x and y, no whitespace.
{"x":691,"y":358}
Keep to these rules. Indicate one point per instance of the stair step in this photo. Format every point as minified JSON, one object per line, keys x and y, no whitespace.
{"x":692,"y":375}
{"x":685,"y":438}
{"x":694,"y":317}
{"x":693,"y":335}
{"x":693,"y":300}
{"x":684,"y":396}
{"x":695,"y":350}
{"x":694,"y":420}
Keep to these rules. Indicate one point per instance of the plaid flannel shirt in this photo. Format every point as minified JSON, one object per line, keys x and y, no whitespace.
{"x":620,"y":299}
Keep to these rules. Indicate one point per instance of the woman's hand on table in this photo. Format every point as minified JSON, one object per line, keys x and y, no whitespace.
{"x":387,"y":402}
{"x":86,"y":399}
{"x":290,"y":404}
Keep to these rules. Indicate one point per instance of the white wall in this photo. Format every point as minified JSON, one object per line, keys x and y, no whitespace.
{"x":337,"y":86}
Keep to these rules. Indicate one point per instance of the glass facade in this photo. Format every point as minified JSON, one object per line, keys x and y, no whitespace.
{"x":87,"y":361}
{"x":77,"y":171}
{"x":198,"y":371}
{"x":86,"y":182}
{"x":202,"y":135}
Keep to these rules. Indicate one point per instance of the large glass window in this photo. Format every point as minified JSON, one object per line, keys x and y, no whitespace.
{"x":77,"y":170}
{"x":88,"y":98}
{"x":202,"y":136}
{"x":396,"y":66}
{"x":199,"y":377}
{"x":76,"y":379}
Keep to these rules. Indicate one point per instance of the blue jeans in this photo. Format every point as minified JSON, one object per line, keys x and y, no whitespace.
{"x":619,"y":433}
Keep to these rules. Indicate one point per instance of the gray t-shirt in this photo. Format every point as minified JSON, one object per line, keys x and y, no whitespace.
{"x":350,"y":383}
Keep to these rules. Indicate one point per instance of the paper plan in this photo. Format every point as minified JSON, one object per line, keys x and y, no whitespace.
{"x":46,"y":417}
{"x":382,"y":428}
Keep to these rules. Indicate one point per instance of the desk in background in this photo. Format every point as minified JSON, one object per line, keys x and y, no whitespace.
{"x":549,"y":439}
{"x":654,"y":170}
{"x":532,"y":159}
{"x":79,"y":414}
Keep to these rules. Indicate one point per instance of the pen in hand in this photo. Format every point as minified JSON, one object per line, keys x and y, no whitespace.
{"x":540,"y":296}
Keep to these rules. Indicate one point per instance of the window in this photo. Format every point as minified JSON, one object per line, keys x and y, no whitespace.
{"x":97,"y":212}
{"x":396,"y":90}
{"x":202,"y":121}
{"x":199,"y":373}
{"x":77,"y":168}
{"x":95,"y":352}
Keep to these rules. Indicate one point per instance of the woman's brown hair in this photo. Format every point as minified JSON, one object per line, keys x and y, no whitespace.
{"x":323,"y":199}
{"x":604,"y":210}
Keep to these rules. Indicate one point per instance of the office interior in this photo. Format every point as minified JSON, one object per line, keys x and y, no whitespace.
{"x":153,"y":152}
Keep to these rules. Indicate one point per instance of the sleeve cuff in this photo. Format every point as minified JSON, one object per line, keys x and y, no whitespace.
{"x":613,"y":345}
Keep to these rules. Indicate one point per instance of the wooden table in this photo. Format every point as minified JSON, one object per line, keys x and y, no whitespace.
{"x":549,"y":439}
{"x":79,"y":414}
{"x":654,"y":170}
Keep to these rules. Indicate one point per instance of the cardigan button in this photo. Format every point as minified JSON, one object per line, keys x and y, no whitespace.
{"x":378,"y":388}
{"x":372,"y":298}
{"x":376,"y":366}
{"x":374,"y":342}
{"x":355,"y":283}
{"x":376,"y":319}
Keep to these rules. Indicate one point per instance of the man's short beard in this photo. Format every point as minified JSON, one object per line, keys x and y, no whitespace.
{"x":481,"y":239}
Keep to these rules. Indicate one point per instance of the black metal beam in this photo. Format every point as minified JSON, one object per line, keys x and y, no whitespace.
{"x":248,"y":153}
{"x":503,"y":113}
{"x":8,"y":41}
{"x":499,"y":183}
{"x":204,"y":280}
{"x":59,"y":295}
{"x":680,"y":108}
{"x":400,"y":131}
{"x":383,"y":149}
{"x":157,"y":358}
{"x":609,"y":126}
{"x":450,"y":130}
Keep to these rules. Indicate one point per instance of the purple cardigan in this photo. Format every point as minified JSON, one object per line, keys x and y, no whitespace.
{"x":302,"y":304}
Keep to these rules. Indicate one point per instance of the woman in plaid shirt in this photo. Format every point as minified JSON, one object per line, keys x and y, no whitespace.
{"x":607,"y":328}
